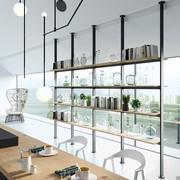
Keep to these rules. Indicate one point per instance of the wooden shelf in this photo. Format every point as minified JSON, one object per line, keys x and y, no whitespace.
{"x":110,"y":87}
{"x":110,"y":64}
{"x":107,"y":131}
{"x":112,"y":110}
{"x":141,"y":138}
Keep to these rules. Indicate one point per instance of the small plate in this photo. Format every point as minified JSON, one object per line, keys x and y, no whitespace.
{"x":91,"y":177}
{"x":43,"y":153}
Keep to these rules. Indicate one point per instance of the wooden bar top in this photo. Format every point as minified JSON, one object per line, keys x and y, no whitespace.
{"x":10,"y":166}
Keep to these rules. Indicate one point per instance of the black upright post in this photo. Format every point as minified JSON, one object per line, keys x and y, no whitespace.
{"x":122,"y":73}
{"x":44,"y":50}
{"x":55,"y":15}
{"x":24,"y":38}
{"x":72,"y":90}
{"x":93,"y":83}
{"x":55,"y":90}
{"x":161,"y":3}
{"x":55,"y":50}
{"x":72,"y":49}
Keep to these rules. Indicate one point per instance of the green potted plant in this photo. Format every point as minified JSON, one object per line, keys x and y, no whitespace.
{"x":88,"y":98}
{"x":125,"y":99}
{"x":83,"y":101}
{"x":135,"y":103}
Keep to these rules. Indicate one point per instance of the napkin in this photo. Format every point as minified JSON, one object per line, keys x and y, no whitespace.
{"x":37,"y":149}
{"x":69,"y":171}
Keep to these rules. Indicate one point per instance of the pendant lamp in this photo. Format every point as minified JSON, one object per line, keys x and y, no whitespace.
{"x":44,"y":93}
{"x":19,"y":9}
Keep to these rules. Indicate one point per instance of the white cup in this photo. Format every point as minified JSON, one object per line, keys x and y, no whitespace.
{"x":33,"y":169}
{"x":25,"y":163}
{"x":48,"y":149}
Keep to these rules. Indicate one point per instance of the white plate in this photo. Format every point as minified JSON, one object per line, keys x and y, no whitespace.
{"x":91,"y":177}
{"x":43,"y":153}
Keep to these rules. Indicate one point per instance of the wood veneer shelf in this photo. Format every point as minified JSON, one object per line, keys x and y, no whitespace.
{"x":141,"y":138}
{"x":110,"y":64}
{"x":110,"y":87}
{"x":112,"y":110}
{"x":153,"y":141}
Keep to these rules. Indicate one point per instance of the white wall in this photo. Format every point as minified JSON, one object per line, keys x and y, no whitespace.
{"x":141,"y":28}
{"x":6,"y":82}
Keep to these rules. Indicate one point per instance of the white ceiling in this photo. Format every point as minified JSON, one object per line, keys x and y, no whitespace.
{"x":91,"y":12}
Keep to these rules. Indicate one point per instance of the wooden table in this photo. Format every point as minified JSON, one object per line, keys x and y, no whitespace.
{"x":10,"y":167}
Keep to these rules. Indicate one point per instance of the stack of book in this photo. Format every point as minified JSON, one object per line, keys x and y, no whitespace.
{"x":62,"y":64}
{"x":145,"y":51}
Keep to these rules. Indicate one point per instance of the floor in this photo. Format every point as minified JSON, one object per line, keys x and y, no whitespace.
{"x":42,"y":129}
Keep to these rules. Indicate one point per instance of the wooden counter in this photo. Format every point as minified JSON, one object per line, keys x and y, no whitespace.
{"x":10,"y":167}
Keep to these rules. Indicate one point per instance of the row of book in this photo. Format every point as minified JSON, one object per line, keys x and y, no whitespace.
{"x":145,"y":51}
{"x":105,"y":102}
{"x":62,"y":64}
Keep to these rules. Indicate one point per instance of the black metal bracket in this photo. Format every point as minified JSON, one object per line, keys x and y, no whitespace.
{"x":56,"y":29}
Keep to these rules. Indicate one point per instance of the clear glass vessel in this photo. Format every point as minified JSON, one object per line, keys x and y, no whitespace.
{"x":150,"y":132}
{"x":116,"y":78}
{"x":101,"y":78}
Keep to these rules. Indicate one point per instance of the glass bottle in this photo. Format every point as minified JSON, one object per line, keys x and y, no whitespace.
{"x":89,"y":79}
{"x":76,"y":81}
{"x":116,"y":79}
{"x":150,"y":132}
{"x":101,"y":78}
{"x":83,"y":60}
{"x":127,"y":125}
{"x":66,"y":83}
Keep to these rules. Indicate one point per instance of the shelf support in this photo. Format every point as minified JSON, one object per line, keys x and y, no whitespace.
{"x":55,"y":90}
{"x":122,"y":17}
{"x":93,"y":90}
{"x":161,"y":3}
{"x":72,"y":90}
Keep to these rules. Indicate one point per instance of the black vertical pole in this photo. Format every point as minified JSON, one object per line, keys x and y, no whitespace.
{"x":72,"y":90}
{"x":122,"y":73}
{"x":44,"y":50}
{"x":24,"y":38}
{"x":55,"y":50}
{"x":55,"y":90}
{"x":93,"y":90}
{"x":54,"y":15}
{"x":161,"y":3}
{"x":72,"y":49}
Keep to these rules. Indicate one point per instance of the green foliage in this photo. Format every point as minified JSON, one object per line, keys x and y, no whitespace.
{"x":88,"y":98}
{"x":126,"y":99}
{"x":82,"y":96}
{"x":135,"y":103}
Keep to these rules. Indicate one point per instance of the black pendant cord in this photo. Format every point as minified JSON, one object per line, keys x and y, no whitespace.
{"x":24,"y":38}
{"x":44,"y":51}
{"x":54,"y":15}
{"x":56,"y":29}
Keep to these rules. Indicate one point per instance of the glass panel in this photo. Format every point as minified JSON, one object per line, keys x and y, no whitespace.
{"x":32,"y":82}
{"x":83,"y":48}
{"x":108,"y":42}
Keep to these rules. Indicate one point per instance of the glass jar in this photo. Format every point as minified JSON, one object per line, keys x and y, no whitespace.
{"x":130,"y":79}
{"x":150,"y":132}
{"x":66,"y":83}
{"x":116,"y":78}
{"x":101,"y":78}
{"x":83,"y":60}
{"x":76,"y":81}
